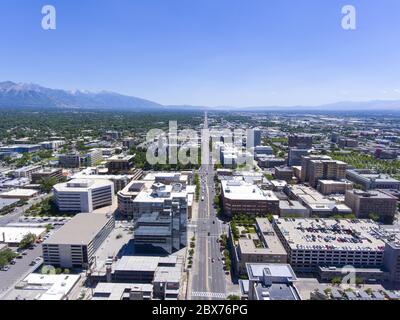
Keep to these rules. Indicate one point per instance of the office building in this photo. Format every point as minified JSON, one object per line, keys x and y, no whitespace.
{"x":21,"y":148}
{"x":268,"y":282}
{"x":292,"y":208}
{"x":260,"y":151}
{"x":327,"y":187}
{"x":240,"y":197}
{"x":262,"y":247}
{"x":47,"y":173}
{"x":315,"y":202}
{"x":71,"y":160}
{"x":83,"y":195}
{"x":111,"y":291}
{"x":93,"y":157}
{"x":347,"y":143}
{"x":322,"y":169}
{"x":120,"y":163}
{"x":284,"y":173}
{"x":164,"y":273}
{"x":26,"y":172}
{"x":160,"y":217}
{"x":392,"y":260}
{"x":269,"y":162}
{"x":368,"y":179}
{"x":300,"y":141}
{"x":369,"y":203}
{"x":120,"y":181}
{"x":128,"y":143}
{"x":74,"y":245}
{"x":52,"y":145}
{"x":295,"y":156}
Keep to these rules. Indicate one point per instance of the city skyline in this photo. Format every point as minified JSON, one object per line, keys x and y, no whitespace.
{"x":262,"y":53}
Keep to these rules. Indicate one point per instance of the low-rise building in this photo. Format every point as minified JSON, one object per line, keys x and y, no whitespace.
{"x":269,"y":282}
{"x":262,"y":247}
{"x":47,"y":173}
{"x":373,"y":202}
{"x":368,"y":179}
{"x":22,"y":194}
{"x":120,"y":163}
{"x":315,"y":202}
{"x":70,"y":160}
{"x":284,"y":173}
{"x":327,"y":187}
{"x":292,"y":208}
{"x":240,"y":197}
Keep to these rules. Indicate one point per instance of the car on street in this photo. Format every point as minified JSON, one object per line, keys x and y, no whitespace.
{"x":5,"y":268}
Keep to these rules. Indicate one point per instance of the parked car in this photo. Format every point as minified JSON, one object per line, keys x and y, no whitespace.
{"x":5,"y":268}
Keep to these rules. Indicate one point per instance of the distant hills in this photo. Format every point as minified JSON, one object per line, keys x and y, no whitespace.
{"x":19,"y":95}
{"x":16,"y":95}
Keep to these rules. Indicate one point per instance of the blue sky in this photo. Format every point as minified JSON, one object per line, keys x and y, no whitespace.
{"x":207,"y":52}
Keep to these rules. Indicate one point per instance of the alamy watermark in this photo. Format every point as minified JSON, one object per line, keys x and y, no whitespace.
{"x":191,"y":147}
{"x":49,"y":18}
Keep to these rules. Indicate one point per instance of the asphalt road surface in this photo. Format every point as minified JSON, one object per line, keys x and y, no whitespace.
{"x":208,"y":278}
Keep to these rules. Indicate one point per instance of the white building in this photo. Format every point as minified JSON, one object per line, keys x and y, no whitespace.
{"x":83,"y":195}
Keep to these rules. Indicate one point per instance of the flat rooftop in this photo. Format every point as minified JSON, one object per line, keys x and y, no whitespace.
{"x":18,"y":193}
{"x":239,"y":190}
{"x":80,"y":230}
{"x":144,"y":263}
{"x":16,"y":234}
{"x":270,"y":241}
{"x":330,"y":234}
{"x":80,"y":185}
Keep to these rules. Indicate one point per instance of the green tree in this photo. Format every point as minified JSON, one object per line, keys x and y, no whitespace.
{"x":27,"y":241}
{"x":233,"y":297}
{"x":47,"y":184}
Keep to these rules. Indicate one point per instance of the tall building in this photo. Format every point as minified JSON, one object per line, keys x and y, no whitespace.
{"x":300,"y":141}
{"x":314,"y":169}
{"x":254,"y":138}
{"x":83,"y":195}
{"x":74,"y":245}
{"x":160,"y":217}
{"x":374,"y":202}
{"x":295,"y":156}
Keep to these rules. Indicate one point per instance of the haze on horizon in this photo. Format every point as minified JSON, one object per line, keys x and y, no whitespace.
{"x":208,"y":53}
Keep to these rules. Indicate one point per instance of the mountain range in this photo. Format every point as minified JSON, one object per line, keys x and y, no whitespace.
{"x":18,"y":95}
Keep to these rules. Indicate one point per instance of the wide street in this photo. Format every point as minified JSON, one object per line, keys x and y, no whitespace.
{"x":208,"y":276}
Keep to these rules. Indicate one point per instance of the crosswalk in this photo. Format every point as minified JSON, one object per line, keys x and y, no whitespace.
{"x":221,"y":296}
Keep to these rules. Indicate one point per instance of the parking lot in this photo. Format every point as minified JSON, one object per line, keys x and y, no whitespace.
{"x":20,"y":269}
